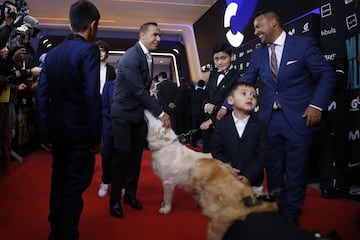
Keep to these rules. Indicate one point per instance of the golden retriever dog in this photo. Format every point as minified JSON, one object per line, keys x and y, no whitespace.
{"x":222,"y":197}
{"x":171,"y":160}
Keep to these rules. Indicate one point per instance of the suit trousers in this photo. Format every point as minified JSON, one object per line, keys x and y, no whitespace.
{"x":106,"y":158}
{"x":72,"y":171}
{"x":129,"y":141}
{"x":287,"y":165}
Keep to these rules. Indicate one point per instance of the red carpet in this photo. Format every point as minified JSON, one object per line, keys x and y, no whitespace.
{"x":24,"y":208}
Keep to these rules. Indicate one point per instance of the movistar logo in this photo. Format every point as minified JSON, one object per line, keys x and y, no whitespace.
{"x":237,"y":15}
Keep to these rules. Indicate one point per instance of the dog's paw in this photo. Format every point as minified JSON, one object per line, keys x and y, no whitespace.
{"x":165,"y":208}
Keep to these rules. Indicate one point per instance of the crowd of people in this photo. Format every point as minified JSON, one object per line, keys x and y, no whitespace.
{"x":19,"y":74}
{"x":86,"y":107}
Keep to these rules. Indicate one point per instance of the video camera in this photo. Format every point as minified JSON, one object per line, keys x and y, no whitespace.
{"x":21,"y":7}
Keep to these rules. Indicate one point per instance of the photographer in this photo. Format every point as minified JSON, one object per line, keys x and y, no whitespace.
{"x":6,"y":21}
{"x":20,"y":73}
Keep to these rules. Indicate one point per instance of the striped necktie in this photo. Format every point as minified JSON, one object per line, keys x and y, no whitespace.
{"x":273,"y":63}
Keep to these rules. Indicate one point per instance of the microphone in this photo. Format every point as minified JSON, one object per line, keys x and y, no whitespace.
{"x":30,"y":21}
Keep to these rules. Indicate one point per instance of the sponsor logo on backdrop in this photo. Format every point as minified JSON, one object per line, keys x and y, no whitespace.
{"x":326,"y":10}
{"x":249,"y":51}
{"x":354,"y":135}
{"x":247,"y":64}
{"x":330,"y":56}
{"x":351,"y":21}
{"x":348,"y":1}
{"x":306,"y":28}
{"x":234,"y":39}
{"x":241,"y":54}
{"x":258,"y":45}
{"x":332,"y":106}
{"x":354,"y":105}
{"x":353,"y":69}
{"x":326,"y":32}
{"x":238,"y":14}
{"x":292,"y":32}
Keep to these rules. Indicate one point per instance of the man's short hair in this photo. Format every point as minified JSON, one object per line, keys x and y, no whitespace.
{"x":81,"y":14}
{"x":269,"y":14}
{"x":145,"y":26}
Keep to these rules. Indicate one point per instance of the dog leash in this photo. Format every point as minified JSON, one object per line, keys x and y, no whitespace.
{"x":184,"y":136}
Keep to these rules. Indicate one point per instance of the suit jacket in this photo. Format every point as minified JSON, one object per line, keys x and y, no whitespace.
{"x":166,"y":94}
{"x":110,"y":73}
{"x":217,"y":94}
{"x":248,"y":153}
{"x":68,"y":98}
{"x":132,"y":84}
{"x":304,"y":78}
{"x":197,"y":98}
{"x":106,"y":105}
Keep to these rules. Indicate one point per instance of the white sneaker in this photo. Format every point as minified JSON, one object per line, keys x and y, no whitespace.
{"x":103,"y":189}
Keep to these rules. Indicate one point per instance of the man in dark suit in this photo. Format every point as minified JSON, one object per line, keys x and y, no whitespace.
{"x":197,"y":111}
{"x":107,"y":72}
{"x":69,"y":106}
{"x":131,"y":97}
{"x":166,"y":94}
{"x":297,"y":83}
{"x":217,"y":89}
{"x":240,"y":139}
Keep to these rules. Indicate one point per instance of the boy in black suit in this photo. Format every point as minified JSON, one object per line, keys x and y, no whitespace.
{"x":240,"y":139}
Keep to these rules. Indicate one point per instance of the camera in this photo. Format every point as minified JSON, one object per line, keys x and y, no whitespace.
{"x":21,"y":7}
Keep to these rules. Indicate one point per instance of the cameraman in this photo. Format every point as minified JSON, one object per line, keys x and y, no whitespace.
{"x":6,"y":24}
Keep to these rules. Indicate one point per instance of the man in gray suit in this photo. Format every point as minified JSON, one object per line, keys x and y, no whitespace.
{"x":131,"y":97}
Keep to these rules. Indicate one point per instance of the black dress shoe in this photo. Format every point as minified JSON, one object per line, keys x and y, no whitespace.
{"x":116,"y":210}
{"x":337,"y":192}
{"x":133,"y":202}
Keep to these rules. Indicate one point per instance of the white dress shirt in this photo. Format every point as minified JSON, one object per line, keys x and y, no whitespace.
{"x":102,"y":76}
{"x":240,"y":124}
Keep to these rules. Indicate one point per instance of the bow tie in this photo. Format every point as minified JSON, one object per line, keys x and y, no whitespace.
{"x":223,"y":72}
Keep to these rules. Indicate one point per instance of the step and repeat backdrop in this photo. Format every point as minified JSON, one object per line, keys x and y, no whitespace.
{"x":334,"y":23}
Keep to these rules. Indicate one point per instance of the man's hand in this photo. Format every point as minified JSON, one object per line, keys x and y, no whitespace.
{"x":19,"y":55}
{"x":244,"y":180}
{"x":209,"y":108}
{"x":165,"y":119}
{"x":172,"y":105}
{"x":221,"y":113}
{"x":21,"y":86}
{"x":35,"y":71}
{"x":312,"y":115}
{"x":206,"y":125}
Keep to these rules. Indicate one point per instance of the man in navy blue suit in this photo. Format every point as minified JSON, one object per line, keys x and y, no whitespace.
{"x":297,"y":83}
{"x":131,"y":97}
{"x":69,"y":106}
